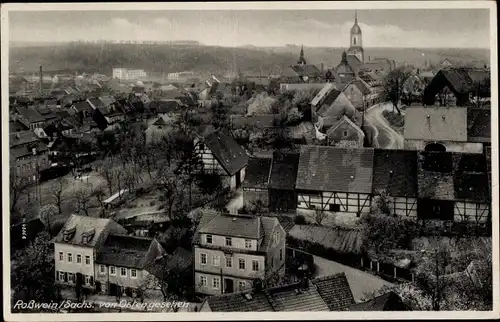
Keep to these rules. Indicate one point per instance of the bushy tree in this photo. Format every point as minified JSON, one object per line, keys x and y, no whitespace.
{"x":260,"y":103}
{"x":32,"y":272}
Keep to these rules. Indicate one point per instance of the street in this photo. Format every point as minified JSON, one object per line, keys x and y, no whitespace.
{"x":359,"y":281}
{"x":385,"y":135}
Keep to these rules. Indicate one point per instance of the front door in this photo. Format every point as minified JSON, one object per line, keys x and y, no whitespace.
{"x":228,"y":286}
{"x":238,"y":179}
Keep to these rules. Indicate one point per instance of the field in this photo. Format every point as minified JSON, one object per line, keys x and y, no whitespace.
{"x":206,"y":59}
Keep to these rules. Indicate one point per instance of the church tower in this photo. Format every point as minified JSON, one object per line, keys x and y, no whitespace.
{"x":302,"y":60}
{"x":356,"y":48}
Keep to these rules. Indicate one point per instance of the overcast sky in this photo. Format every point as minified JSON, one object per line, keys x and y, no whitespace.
{"x":450,"y":28}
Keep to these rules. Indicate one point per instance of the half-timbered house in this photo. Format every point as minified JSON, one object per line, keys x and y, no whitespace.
{"x":453,"y":187}
{"x":222,"y":155}
{"x":395,"y":175}
{"x":335,"y":179}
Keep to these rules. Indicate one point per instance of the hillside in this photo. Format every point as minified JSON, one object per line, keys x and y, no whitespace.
{"x":166,"y":58}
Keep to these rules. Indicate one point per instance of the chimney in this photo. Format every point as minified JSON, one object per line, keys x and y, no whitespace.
{"x":369,"y":58}
{"x":322,"y":68}
{"x":41,"y":78}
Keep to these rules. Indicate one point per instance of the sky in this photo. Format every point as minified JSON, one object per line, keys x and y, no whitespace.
{"x":418,"y":28}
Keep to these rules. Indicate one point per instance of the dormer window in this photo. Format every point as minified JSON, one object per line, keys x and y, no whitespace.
{"x":88,"y":236}
{"x":68,"y":234}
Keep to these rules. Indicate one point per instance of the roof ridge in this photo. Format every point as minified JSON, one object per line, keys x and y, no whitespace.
{"x":327,"y":277}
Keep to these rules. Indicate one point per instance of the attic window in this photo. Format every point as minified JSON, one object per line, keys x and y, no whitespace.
{"x":391,"y":172}
{"x":443,"y":117}
{"x":352,"y":177}
{"x":87,"y":236}
{"x":69,"y":233}
{"x":428,"y":116}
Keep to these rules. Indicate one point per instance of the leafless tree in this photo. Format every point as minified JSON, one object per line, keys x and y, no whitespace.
{"x":109,"y":173}
{"x":82,"y":198}
{"x":393,"y":86}
{"x":57,"y":192}
{"x":319,"y":216}
{"x":46,"y":213}
{"x":18,"y":186}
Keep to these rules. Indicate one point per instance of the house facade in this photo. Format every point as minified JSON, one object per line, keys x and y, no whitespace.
{"x":345,"y":133}
{"x":75,"y":248}
{"x":230,"y":252}
{"x":122,"y":264}
{"x":335,"y":180}
{"x":434,"y":128}
{"x":28,"y":156}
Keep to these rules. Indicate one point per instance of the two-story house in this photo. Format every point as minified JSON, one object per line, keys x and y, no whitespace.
{"x":222,"y":155}
{"x":122,"y":263}
{"x":76,"y":248}
{"x":231,"y":252}
{"x":28,"y":155}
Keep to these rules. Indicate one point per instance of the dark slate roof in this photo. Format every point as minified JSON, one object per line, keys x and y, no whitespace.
{"x":16,"y":126}
{"x":306,"y":70}
{"x":385,"y":302}
{"x":459,"y":79}
{"x":321,"y":294}
{"x":335,"y":291}
{"x":260,"y":120}
{"x":129,"y":251}
{"x":395,"y":171}
{"x":257,"y":173}
{"x":227,"y":151}
{"x":286,"y":299}
{"x":286,"y":222}
{"x":353,"y":61}
{"x":236,"y":302}
{"x":235,"y":226}
{"x":472,"y":187}
{"x":21,"y":138}
{"x":30,"y":114}
{"x":206,"y":217}
{"x":165,"y":106}
{"x":84,"y":224}
{"x":323,"y":168}
{"x":466,"y":177}
{"x":478,"y":125}
{"x":83,"y":106}
{"x":284,"y":170}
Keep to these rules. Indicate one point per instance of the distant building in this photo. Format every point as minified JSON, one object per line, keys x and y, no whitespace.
{"x":128,"y":74}
{"x":231,"y":252}
{"x":28,"y":156}
{"x":182,"y":76}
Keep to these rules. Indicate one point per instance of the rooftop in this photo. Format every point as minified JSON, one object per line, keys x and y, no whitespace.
{"x":329,"y":293}
{"x":257,"y":173}
{"x":436,"y":123}
{"x":324,"y":168}
{"x":227,"y":151}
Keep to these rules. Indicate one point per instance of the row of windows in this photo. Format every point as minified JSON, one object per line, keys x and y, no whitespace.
{"x":69,"y":258}
{"x":228,"y":262}
{"x":124,"y":272}
{"x":229,"y":241}
{"x":216,"y":283}
{"x":68,"y":277}
{"x":30,"y":165}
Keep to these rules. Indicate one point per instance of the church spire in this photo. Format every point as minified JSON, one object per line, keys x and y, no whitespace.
{"x":302,"y":60}
{"x":356,"y":16}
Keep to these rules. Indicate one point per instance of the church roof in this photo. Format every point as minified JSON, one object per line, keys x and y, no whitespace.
{"x":355,"y":29}
{"x":344,"y":67}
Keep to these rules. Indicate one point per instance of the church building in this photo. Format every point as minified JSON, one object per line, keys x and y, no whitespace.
{"x":356,"y":48}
